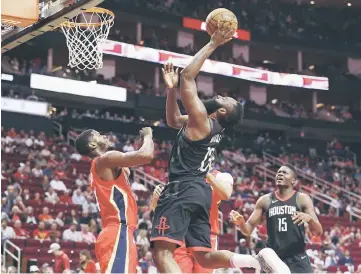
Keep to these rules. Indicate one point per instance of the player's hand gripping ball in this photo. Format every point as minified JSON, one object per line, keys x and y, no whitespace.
{"x":236,"y":218}
{"x":221,"y":18}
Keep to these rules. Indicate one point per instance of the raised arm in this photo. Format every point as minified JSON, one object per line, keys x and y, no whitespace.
{"x":174,"y":117}
{"x":114,"y":159}
{"x":308,"y":215}
{"x":254,"y":220}
{"x":188,"y":89}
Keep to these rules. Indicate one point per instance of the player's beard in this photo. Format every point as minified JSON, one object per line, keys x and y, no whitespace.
{"x":226,"y":121}
{"x":211,"y":105}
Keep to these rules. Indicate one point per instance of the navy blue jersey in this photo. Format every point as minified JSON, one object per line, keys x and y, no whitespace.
{"x":284,"y":237}
{"x":194,"y":158}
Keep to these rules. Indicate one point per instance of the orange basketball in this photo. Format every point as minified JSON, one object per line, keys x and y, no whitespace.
{"x":225,"y":18}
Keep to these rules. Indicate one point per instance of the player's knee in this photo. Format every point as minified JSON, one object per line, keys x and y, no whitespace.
{"x":162,"y":252}
{"x":270,"y":261}
{"x":203,"y":258}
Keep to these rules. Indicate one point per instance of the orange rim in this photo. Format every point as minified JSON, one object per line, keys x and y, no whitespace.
{"x":68,"y":24}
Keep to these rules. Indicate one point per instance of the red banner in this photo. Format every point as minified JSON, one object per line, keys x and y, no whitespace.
{"x":196,"y":24}
{"x":216,"y":67}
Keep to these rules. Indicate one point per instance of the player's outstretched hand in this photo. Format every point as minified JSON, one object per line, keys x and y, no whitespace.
{"x":156,"y":194}
{"x":300,"y":218}
{"x":236,"y":218}
{"x":222,"y":35}
{"x":170,"y":76}
{"x":158,"y":191}
{"x":146,"y":131}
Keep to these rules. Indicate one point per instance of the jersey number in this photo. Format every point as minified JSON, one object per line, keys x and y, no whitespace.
{"x":207,"y":162}
{"x":282,"y":224}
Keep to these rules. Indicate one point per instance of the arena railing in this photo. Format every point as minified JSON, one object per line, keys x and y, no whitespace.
{"x":269,"y":174}
{"x":7,"y":251}
{"x":151,"y":182}
{"x":314,"y":179}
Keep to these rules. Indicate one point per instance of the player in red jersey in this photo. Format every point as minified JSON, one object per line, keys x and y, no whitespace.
{"x":115,"y":247}
{"x":222,"y":185}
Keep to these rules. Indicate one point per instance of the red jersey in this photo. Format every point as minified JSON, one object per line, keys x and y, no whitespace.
{"x":213,"y":214}
{"x":62,"y":263}
{"x":90,"y":267}
{"x":115,"y":199}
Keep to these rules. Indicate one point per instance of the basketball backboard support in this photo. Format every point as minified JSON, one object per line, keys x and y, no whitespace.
{"x":51,"y":15}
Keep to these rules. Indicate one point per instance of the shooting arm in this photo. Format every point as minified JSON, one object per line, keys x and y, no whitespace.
{"x":221,"y":184}
{"x":256,"y":217}
{"x":174,"y":117}
{"x":308,"y":208}
{"x":114,"y":159}
{"x":193,"y":105}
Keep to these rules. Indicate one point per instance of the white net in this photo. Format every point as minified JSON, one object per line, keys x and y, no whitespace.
{"x":84,"y":35}
{"x":5,"y":28}
{"x":7,"y":25}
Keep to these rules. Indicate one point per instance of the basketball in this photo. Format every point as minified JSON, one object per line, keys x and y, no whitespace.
{"x":225,"y":18}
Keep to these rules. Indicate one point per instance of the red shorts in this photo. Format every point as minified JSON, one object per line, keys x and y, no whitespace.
{"x":188,"y":263}
{"x":116,"y":250}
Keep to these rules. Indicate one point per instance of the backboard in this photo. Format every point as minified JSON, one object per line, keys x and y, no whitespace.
{"x":20,"y":24}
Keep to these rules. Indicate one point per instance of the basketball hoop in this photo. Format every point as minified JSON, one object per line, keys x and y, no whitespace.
{"x":84,"y":35}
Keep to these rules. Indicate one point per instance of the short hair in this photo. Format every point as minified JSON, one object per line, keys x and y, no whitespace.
{"x":237,"y":115}
{"x":82,"y":142}
{"x":291,"y":167}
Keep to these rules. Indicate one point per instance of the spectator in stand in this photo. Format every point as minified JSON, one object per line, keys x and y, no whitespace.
{"x":5,"y":205}
{"x":29,"y":216}
{"x":78,"y":197}
{"x":26,"y":195}
{"x":59,"y":219}
{"x":41,"y":233}
{"x":16,"y":213}
{"x":87,"y":237}
{"x":37,"y":171}
{"x":85,"y":218}
{"x":347,"y":260}
{"x":7,"y":232}
{"x":87,"y":265}
{"x":89,"y":205}
{"x":45,"y":216}
{"x":146,"y":263}
{"x":57,"y":184}
{"x":242,"y":247}
{"x":72,"y":218}
{"x":37,"y":200}
{"x":71,"y":234}
{"x":65,"y":198}
{"x":20,"y":233}
{"x":142,"y":239}
{"x":54,"y":234}
{"x":62,"y":262}
{"x":80,"y":181}
{"x":331,"y":259}
{"x":51,"y":196}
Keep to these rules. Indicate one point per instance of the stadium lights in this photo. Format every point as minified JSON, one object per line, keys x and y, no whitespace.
{"x":349,"y":4}
{"x":312,"y":2}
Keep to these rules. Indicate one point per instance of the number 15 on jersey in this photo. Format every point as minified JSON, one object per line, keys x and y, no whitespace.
{"x":282,"y":224}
